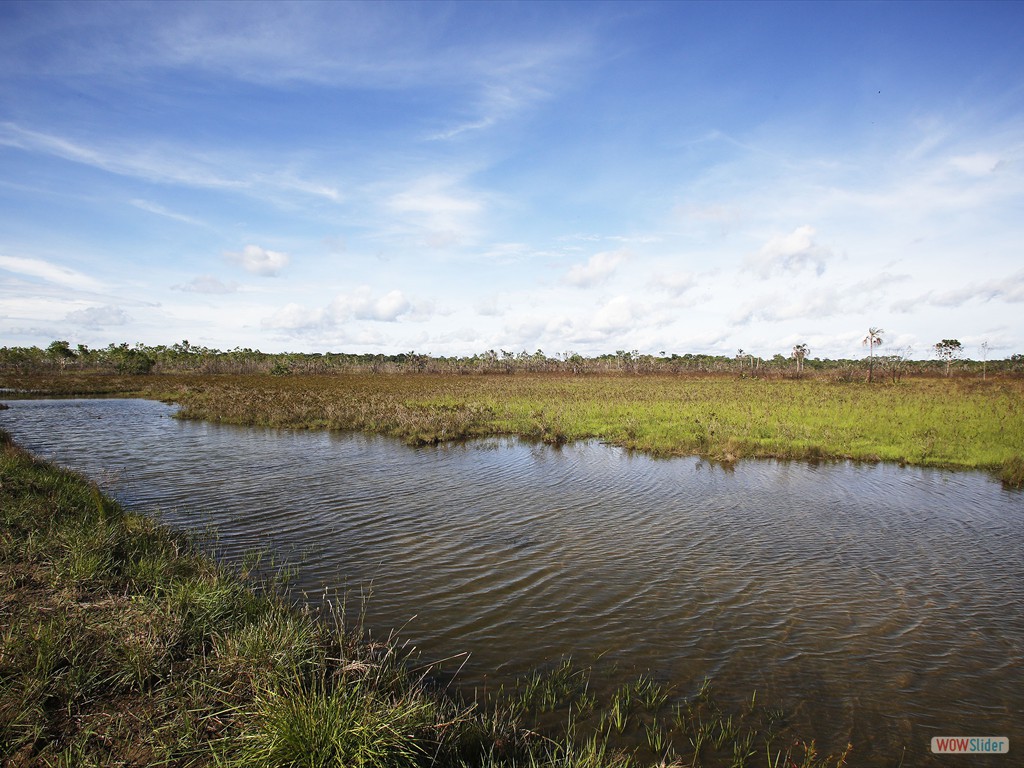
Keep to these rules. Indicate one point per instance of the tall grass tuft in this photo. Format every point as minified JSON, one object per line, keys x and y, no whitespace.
{"x":1012,"y":471}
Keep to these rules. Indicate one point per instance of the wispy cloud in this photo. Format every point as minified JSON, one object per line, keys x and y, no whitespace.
{"x":1009,"y":289}
{"x":154,"y":163}
{"x":819,"y":302}
{"x":978,"y":164}
{"x":99,"y":317}
{"x":52,"y":273}
{"x":437,"y":209}
{"x":675,"y":283}
{"x":183,"y":165}
{"x":207,"y":284}
{"x":159,"y":210}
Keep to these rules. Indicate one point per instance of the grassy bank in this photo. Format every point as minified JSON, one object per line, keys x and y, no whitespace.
{"x":121,"y":644}
{"x":957,"y":423}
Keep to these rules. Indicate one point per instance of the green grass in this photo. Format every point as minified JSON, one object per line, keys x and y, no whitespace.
{"x":956,"y":423}
{"x":122,"y":644}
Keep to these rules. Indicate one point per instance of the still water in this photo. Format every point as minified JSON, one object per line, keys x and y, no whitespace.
{"x":876,"y":604}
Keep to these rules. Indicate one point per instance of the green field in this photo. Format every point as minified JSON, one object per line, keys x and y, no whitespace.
{"x":956,"y":423}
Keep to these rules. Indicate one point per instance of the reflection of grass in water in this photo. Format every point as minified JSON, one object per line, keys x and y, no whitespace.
{"x":122,"y":644}
{"x":922,"y":422}
{"x":929,"y":422}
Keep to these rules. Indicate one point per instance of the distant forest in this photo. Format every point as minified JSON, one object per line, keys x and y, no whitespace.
{"x":183,"y":357}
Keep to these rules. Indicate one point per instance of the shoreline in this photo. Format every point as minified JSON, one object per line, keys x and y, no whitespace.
{"x":126,"y":644}
{"x":949,"y":424}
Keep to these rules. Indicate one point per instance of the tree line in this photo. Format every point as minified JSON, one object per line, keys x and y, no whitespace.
{"x":183,"y":357}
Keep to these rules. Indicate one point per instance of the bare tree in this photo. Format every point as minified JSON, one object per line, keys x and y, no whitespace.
{"x":896,"y":362}
{"x":872,"y":340}
{"x":799,"y":353}
{"x":984,"y":359}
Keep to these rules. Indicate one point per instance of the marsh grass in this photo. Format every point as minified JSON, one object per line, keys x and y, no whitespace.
{"x":122,"y":644}
{"x":955,"y":423}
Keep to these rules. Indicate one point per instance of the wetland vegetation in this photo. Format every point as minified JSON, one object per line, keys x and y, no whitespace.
{"x":965,"y":423}
{"x":122,"y":644}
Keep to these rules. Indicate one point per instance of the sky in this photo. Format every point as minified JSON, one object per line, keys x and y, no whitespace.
{"x":451,"y":178}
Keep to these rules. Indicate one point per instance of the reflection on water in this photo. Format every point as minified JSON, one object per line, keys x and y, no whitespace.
{"x":877,"y":604}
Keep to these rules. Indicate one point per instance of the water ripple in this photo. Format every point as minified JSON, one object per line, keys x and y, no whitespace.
{"x":878,"y":604}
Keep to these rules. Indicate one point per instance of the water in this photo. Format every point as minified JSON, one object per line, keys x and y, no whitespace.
{"x":876,"y":604}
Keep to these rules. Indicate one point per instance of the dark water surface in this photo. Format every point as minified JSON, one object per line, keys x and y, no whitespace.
{"x":876,"y":604}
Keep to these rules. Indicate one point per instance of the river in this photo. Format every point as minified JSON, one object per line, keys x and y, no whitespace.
{"x":876,"y":604}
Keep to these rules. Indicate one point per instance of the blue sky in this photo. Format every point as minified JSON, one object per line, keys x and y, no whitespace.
{"x":452,"y":178}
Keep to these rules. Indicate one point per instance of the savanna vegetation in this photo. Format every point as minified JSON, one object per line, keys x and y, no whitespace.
{"x":885,"y":363}
{"x":122,"y":644}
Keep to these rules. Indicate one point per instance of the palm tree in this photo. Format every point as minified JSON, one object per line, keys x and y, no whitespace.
{"x":799,"y":353}
{"x":872,"y":340}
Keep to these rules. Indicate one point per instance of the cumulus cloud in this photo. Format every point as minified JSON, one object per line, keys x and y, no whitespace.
{"x":207,"y":284}
{"x":259,"y":261}
{"x":360,"y":304}
{"x":98,"y":317}
{"x":363,"y":305}
{"x":597,"y":269}
{"x":793,"y":252}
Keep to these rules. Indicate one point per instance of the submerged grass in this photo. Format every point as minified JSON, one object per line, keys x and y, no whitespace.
{"x":955,"y":423}
{"x":121,"y":644}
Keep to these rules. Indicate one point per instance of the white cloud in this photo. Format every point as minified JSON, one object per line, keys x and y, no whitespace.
{"x":295,"y":317}
{"x":675,"y":283}
{"x":1009,"y":289}
{"x":151,"y":163}
{"x":793,"y":252}
{"x":433,"y":205}
{"x":492,"y":306}
{"x":820,"y":302}
{"x":259,"y":260}
{"x":207,"y":284}
{"x":51,"y":273}
{"x":510,"y":253}
{"x":178,"y":165}
{"x":979,"y":164}
{"x":98,"y":317}
{"x":159,"y":210}
{"x":347,"y":309}
{"x":616,"y":315}
{"x":363,"y":305}
{"x":597,"y":269}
